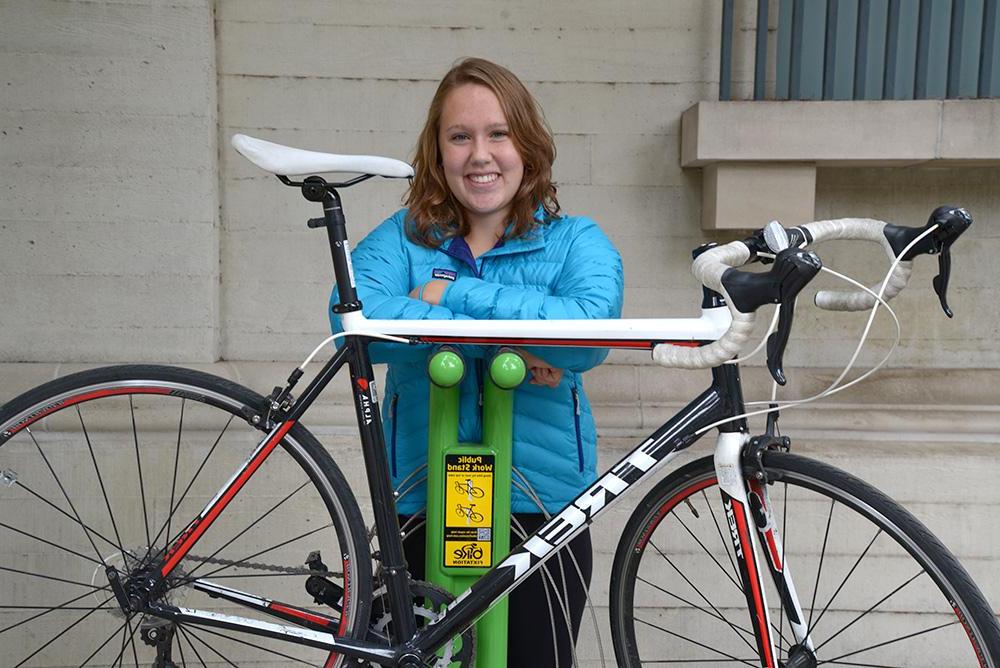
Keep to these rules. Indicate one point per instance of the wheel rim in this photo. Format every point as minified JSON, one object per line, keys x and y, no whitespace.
{"x":866,"y":600}
{"x":72,"y":504}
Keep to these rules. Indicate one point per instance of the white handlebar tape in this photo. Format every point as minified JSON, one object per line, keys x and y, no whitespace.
{"x":708,"y":268}
{"x":865,"y":229}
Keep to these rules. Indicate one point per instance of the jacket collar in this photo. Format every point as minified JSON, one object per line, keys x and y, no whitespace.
{"x":457,"y":248}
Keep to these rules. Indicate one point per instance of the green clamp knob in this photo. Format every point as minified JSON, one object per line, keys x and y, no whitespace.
{"x":507,"y":370}
{"x":446,"y":368}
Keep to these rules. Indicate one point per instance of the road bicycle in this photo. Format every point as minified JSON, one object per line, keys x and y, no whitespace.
{"x":157,"y":515}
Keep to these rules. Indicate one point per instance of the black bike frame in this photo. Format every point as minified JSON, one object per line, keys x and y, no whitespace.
{"x":722,"y":401}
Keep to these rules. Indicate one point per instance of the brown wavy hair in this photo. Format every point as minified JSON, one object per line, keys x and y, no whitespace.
{"x":435,"y":215}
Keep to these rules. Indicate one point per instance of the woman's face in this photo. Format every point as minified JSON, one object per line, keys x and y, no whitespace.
{"x":481,"y":165}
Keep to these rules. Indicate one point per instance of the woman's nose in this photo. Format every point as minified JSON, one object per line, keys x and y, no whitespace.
{"x":481,"y":151}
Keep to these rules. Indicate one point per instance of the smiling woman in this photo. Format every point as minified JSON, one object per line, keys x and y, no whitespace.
{"x":483,"y":238}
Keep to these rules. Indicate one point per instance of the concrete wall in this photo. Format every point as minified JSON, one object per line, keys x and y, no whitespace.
{"x":127,"y":239}
{"x":132,"y":232}
{"x":108,"y":213}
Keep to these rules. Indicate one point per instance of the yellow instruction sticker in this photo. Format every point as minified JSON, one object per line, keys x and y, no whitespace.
{"x":468,"y":510}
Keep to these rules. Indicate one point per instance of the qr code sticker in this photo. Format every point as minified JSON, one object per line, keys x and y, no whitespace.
{"x":484,"y":534}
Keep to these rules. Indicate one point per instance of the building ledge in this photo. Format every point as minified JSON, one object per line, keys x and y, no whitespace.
{"x":760,"y":158}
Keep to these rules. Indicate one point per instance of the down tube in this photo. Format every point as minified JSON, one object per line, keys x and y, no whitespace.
{"x":665,"y":443}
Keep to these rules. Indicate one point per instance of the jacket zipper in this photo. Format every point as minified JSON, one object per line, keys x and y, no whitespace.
{"x":392,"y":436}
{"x":576,"y":424}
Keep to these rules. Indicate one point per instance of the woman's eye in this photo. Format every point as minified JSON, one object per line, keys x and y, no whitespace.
{"x":459,"y":137}
{"x":500,"y":134}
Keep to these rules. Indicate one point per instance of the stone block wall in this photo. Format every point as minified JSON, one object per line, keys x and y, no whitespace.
{"x":109,"y":202}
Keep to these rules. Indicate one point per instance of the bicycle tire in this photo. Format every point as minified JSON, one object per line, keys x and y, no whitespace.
{"x":88,"y":461}
{"x":660,"y":612}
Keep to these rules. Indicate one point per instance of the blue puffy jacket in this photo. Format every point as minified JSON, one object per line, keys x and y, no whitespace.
{"x":565,"y":269}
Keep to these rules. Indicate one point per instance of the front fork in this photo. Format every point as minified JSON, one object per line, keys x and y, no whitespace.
{"x":747,"y":505}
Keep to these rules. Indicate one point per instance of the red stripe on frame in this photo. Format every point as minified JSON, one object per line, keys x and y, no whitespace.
{"x":596,"y":343}
{"x":192,"y":537}
{"x":301,"y":614}
{"x":748,"y":556}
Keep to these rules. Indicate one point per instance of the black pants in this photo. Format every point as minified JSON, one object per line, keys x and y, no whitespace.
{"x":530,"y":639}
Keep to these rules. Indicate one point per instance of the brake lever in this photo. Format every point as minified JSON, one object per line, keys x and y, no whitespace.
{"x":951,"y":222}
{"x":940,"y":281}
{"x":793,"y":269}
{"x":798,"y":268}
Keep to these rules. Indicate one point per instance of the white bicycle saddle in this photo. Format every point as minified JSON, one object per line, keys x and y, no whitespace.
{"x":288,"y":161}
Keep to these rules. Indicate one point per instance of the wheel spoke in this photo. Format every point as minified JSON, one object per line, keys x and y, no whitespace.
{"x":701,"y":595}
{"x":190,"y":632}
{"x":138,"y":466}
{"x":180,"y":645}
{"x":819,"y":568}
{"x":894,"y":640}
{"x":864,"y":665}
{"x":695,"y":642}
{"x":248,"y":527}
{"x":173,"y":483}
{"x":55,"y":477}
{"x":191,"y":645}
{"x":49,"y":577}
{"x":697,"y":607}
{"x":73,"y":519}
{"x":50,"y":543}
{"x":131,"y":640}
{"x":100,"y":479}
{"x":709,"y":553}
{"x":120,"y":629}
{"x":55,"y":608}
{"x":125,"y":638}
{"x":174,"y":507}
{"x":62,"y":633}
{"x":869,"y":610}
{"x":723,"y":540}
{"x":812,"y":628}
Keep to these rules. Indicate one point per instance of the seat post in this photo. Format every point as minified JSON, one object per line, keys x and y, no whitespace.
{"x":316,"y":189}
{"x":340,"y":250}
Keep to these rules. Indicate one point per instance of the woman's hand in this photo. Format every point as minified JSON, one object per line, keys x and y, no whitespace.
{"x":433,"y":291}
{"x":542,"y":373}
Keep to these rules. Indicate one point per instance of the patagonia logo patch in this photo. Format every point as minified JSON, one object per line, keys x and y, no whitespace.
{"x":445,"y":274}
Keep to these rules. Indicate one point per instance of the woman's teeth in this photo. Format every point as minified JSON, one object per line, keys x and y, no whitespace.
{"x":483,"y":178}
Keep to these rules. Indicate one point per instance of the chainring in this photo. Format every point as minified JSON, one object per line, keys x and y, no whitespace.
{"x":428,"y":599}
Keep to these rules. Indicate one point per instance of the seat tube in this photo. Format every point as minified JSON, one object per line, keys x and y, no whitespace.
{"x":732,"y":484}
{"x":394,"y":570}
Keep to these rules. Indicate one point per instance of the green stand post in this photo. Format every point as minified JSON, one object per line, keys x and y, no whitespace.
{"x":468,"y":488}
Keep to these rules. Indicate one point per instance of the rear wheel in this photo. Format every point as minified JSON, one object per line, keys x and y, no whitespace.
{"x":107,"y":467}
{"x":876,"y":587}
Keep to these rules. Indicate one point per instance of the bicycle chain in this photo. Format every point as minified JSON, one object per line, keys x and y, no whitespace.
{"x":257,"y":566}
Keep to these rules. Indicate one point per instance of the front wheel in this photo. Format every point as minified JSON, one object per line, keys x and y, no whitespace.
{"x":105,"y":468}
{"x":876,"y":587}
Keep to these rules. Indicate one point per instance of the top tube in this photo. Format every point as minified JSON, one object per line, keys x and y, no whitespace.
{"x":640,"y":333}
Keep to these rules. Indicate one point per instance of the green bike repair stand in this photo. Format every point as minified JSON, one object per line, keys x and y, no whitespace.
{"x":468,"y":488}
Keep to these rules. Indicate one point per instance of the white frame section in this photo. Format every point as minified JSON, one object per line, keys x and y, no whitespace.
{"x":713,"y":323}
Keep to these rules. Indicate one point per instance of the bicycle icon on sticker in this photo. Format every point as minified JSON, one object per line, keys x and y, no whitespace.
{"x":469,"y":513}
{"x":469,"y":489}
